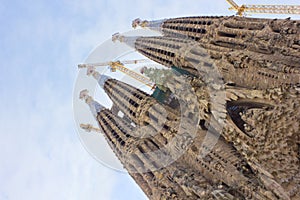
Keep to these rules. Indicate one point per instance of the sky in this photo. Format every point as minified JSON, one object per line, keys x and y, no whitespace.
{"x":42,"y":154}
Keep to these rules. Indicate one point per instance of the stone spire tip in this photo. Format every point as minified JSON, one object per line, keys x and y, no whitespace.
{"x":117,"y":37}
{"x":101,"y":78}
{"x":84,"y":94}
{"x":89,"y":128}
{"x":129,"y":40}
{"x":95,"y":107}
{"x":141,"y":23}
{"x":155,"y":25}
{"x":86,"y":127}
{"x":81,"y":66}
{"x":91,"y":70}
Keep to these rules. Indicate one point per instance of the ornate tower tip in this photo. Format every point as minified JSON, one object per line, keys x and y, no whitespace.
{"x":84,"y":94}
{"x":89,"y":128}
{"x":81,"y":66}
{"x":95,"y":107}
{"x":86,"y":127}
{"x":138,"y":22}
{"x":91,"y":70}
{"x":117,"y":36}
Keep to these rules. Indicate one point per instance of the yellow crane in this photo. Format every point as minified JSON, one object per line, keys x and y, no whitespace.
{"x":118,"y":65}
{"x":269,"y":9}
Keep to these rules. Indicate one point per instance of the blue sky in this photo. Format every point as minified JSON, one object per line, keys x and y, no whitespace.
{"x":41,"y":44}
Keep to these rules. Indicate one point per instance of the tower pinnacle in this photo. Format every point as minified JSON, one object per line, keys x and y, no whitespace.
{"x":129,"y":40}
{"x":89,"y":128}
{"x":95,"y":107}
{"x":138,"y":22}
{"x":155,"y":25}
{"x":117,"y":37}
{"x":101,"y":78}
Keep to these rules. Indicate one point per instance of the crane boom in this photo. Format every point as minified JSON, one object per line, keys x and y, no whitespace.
{"x":271,"y":9}
{"x":275,"y":9}
{"x":117,"y":65}
{"x":120,"y":66}
{"x":108,"y":63}
{"x":233,"y":5}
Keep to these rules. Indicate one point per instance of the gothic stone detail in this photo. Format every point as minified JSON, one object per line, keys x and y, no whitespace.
{"x":253,"y":117}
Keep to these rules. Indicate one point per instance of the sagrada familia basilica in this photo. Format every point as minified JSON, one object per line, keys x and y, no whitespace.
{"x":232,"y":127}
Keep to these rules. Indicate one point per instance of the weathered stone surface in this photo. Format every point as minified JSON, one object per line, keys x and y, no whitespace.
{"x":241,"y":89}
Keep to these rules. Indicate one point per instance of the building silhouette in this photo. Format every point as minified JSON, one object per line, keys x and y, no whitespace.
{"x":237,"y":135}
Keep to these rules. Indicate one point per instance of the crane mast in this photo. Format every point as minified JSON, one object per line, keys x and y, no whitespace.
{"x":270,"y":9}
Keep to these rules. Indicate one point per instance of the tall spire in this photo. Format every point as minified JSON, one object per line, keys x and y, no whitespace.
{"x":126,"y":97}
{"x":195,"y":58}
{"x":182,"y":53}
{"x":132,"y":151}
{"x":252,"y":46}
{"x":239,"y":31}
{"x":116,"y":136}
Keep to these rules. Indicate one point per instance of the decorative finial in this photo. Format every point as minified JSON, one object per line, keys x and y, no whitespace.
{"x":84,"y":94}
{"x":95,"y":107}
{"x":81,"y":66}
{"x":101,"y":78}
{"x":138,"y":22}
{"x":89,"y":128}
{"x":155,"y":25}
{"x":129,"y":40}
{"x":117,"y":36}
{"x":91,"y":70}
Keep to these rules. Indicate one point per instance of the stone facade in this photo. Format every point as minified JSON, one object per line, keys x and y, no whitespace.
{"x":242,"y":90}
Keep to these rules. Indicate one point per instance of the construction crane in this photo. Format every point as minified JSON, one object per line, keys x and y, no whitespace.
{"x":118,"y":65}
{"x":269,"y":9}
